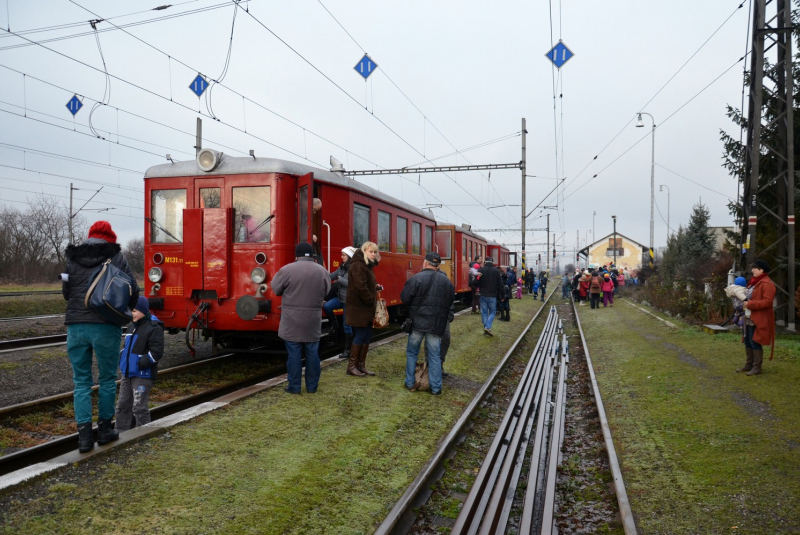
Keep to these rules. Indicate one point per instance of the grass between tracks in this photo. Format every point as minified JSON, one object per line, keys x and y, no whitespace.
{"x":333,"y":462}
{"x":702,"y":449}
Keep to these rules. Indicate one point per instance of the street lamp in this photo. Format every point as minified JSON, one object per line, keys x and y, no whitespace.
{"x":593,"y":234}
{"x":661,"y":188}
{"x":615,"y":239}
{"x":586,"y":239}
{"x":640,"y":124}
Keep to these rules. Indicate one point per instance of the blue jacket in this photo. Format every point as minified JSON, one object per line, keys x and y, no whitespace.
{"x":144,"y":347}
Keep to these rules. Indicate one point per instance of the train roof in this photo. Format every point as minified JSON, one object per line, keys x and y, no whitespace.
{"x":459,"y":228}
{"x":231,"y":165}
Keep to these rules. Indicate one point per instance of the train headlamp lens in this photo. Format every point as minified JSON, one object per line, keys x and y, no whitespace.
{"x":158,"y":258}
{"x":154,"y":274}
{"x":208,"y":159}
{"x":258,"y":275}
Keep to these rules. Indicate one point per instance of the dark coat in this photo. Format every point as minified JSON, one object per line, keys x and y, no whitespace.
{"x":362,"y":292}
{"x":303,"y":284}
{"x":144,"y":347}
{"x":339,"y":281}
{"x":82,"y":261}
{"x":430,"y":308}
{"x":491,"y":282}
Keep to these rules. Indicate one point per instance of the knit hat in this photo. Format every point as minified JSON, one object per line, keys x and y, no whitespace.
{"x":761,"y":264}
{"x":143,"y":305}
{"x":349,"y":251}
{"x":740,"y":281}
{"x":102,"y":230}
{"x":607,"y":276}
{"x":476,"y":265}
{"x":303,"y":249}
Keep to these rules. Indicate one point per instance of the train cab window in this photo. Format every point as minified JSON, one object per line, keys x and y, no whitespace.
{"x":402,"y":235}
{"x":416,"y":230}
{"x":360,"y":224}
{"x":210,"y":198}
{"x":252,"y":210}
{"x":428,"y":239}
{"x":166,"y":214}
{"x":443,"y":243}
{"x":384,"y":231}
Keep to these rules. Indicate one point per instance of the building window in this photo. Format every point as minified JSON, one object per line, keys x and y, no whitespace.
{"x":252,"y":209}
{"x":384,"y":231}
{"x":416,"y":235}
{"x":166,"y":213}
{"x":428,"y":239}
{"x":360,"y":224}
{"x":402,"y":235}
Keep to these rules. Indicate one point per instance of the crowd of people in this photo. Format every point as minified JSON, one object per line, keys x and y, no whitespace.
{"x":594,"y":285}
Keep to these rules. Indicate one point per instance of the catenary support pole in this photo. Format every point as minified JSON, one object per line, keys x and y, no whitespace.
{"x":522,"y":222}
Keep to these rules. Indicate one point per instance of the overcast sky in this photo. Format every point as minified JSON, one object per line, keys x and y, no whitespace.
{"x":450,"y":74}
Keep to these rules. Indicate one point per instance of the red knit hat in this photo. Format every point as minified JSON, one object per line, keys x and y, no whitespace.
{"x":102,"y":230}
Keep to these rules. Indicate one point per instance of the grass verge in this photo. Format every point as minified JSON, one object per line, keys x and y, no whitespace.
{"x":333,"y":462}
{"x":703,"y":449}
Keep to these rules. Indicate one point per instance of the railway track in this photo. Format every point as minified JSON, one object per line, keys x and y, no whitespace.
{"x":530,"y":435}
{"x":30,"y":318}
{"x":22,"y":294}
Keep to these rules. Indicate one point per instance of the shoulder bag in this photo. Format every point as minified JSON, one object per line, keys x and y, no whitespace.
{"x":110,"y":293}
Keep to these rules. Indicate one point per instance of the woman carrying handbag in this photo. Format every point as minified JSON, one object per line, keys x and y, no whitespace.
{"x":362,"y":300}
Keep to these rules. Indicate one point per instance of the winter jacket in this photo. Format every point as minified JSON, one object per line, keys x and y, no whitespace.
{"x":595,"y":285}
{"x":761,"y":312}
{"x":429,"y":296}
{"x":82,"y":262}
{"x":339,"y":280}
{"x":144,"y":347}
{"x":584,"y":285}
{"x":303,"y":286}
{"x":362,"y":292}
{"x":621,"y":279}
{"x":543,"y":280}
{"x":567,"y":282}
{"x":490,"y":282}
{"x":607,"y":285}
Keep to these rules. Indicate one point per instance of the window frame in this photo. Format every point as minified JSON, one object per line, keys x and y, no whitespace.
{"x":398,"y":234}
{"x":388,"y":220}
{"x":362,"y":208}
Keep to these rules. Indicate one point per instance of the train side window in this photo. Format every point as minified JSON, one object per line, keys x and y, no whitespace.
{"x":384,"y":231}
{"x":210,"y":197}
{"x":360,"y":224}
{"x":469,"y":255}
{"x":464,"y":249}
{"x":416,"y":230}
{"x":443,"y":243}
{"x":166,"y":213}
{"x":428,"y":239}
{"x":402,"y":235}
{"x":252,"y":210}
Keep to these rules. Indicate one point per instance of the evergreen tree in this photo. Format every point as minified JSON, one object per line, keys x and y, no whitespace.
{"x":698,"y":246}
{"x":671,"y":262}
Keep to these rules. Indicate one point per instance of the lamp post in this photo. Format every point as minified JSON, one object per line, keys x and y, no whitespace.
{"x":615,"y":239}
{"x":669,"y":229}
{"x":593,"y":234}
{"x":640,"y":124}
{"x":586,"y":239}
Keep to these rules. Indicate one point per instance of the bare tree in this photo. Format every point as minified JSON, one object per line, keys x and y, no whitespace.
{"x":134,"y":254}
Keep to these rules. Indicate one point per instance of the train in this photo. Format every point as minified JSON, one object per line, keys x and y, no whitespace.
{"x":219,"y":227}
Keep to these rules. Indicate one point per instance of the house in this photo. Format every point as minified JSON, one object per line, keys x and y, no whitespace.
{"x":629,"y":253}
{"x":721,"y":240}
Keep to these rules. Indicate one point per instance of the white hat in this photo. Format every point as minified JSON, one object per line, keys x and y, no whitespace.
{"x":349,"y":251}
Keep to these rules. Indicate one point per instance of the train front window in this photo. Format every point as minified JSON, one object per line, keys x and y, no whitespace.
{"x":252,"y":208}
{"x":384,"y":230}
{"x":210,"y":197}
{"x":360,"y":224}
{"x":166,"y":215}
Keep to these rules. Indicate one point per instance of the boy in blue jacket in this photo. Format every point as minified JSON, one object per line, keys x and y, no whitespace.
{"x":144,"y":347}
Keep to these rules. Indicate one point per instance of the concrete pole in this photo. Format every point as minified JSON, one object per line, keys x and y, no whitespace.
{"x":522,"y":221}
{"x":70,"y":213}
{"x":547,"y":251}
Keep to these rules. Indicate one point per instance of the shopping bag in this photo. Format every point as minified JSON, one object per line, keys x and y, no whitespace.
{"x":381,"y":318}
{"x":421,"y":376}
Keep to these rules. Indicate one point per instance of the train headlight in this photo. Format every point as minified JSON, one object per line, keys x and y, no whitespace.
{"x":208,"y":159}
{"x":258,"y":275}
{"x":154,"y":274}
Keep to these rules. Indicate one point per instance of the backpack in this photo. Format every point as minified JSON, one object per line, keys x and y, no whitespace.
{"x":109,"y":294}
{"x":595,"y":284}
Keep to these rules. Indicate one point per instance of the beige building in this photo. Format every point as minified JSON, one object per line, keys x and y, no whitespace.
{"x":629,"y":253}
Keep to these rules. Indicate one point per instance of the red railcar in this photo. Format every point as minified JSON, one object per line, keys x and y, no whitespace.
{"x":500,"y":254}
{"x":458,"y":248}
{"x":220,"y":227}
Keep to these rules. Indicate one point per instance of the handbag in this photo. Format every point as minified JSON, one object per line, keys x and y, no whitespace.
{"x":109,"y":294}
{"x":408,"y":325}
{"x":421,"y":376}
{"x":381,"y":318}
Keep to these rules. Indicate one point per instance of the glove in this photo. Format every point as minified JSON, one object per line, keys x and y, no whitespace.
{"x":145,"y":363}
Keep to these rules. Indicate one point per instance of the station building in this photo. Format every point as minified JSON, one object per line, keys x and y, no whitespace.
{"x":630,"y":254}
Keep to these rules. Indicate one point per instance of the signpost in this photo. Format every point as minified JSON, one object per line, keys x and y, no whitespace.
{"x":74,"y":105}
{"x":559,"y":55}
{"x":366,"y":66}
{"x":199,"y":85}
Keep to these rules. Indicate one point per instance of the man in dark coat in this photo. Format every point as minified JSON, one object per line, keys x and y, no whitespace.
{"x":490,"y":285}
{"x":87,"y":331}
{"x":430,"y":299}
{"x":303,"y":286}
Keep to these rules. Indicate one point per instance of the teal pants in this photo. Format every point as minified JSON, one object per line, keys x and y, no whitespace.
{"x":104,"y":339}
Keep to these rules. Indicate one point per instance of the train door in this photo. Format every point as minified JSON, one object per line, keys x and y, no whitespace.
{"x":305,"y":208}
{"x":207,"y":254}
{"x":443,"y":244}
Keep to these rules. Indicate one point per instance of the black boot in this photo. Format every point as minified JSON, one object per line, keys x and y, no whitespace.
{"x":508,"y":315}
{"x":106,"y":433}
{"x":348,"y":341}
{"x":85,"y":437}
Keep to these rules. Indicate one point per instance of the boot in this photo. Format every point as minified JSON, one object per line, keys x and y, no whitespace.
{"x":508,"y":315}
{"x":758,"y":358}
{"x":749,"y":364}
{"x":106,"y":433}
{"x":362,"y":359}
{"x":352,"y":364}
{"x":348,"y":341}
{"x":85,"y":437}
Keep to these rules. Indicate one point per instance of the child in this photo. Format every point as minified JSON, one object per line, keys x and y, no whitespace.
{"x":536,"y":289}
{"x":739,"y":294}
{"x":519,"y":288}
{"x":144,"y":346}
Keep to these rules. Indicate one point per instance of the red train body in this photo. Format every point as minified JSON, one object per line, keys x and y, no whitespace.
{"x":458,"y":248}
{"x":500,"y":255}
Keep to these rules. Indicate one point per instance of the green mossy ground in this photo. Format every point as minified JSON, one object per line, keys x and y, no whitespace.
{"x":333,"y":462}
{"x":702,"y":448}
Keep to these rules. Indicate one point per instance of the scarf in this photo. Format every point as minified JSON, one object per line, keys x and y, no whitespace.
{"x":756,"y":280}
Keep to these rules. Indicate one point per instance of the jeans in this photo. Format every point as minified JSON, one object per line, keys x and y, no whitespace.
{"x":565,"y":291}
{"x":295,"y":366}
{"x":608,"y":297}
{"x":488,"y":311}
{"x":362,"y":335}
{"x":432,"y":351}
{"x":104,"y":339}
{"x":332,"y":305}
{"x":543,"y":289}
{"x":749,"y":331}
{"x":134,"y":394}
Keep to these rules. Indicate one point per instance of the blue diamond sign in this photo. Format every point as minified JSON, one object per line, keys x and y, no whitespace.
{"x":366,"y":66}
{"x":559,"y":54}
{"x":74,"y":105}
{"x":198,"y":85}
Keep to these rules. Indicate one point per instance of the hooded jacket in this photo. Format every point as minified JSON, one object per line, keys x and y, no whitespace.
{"x":430,"y":299}
{"x":144,"y":347}
{"x":82,"y":262}
{"x":362,"y":292}
{"x":339,"y":279}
